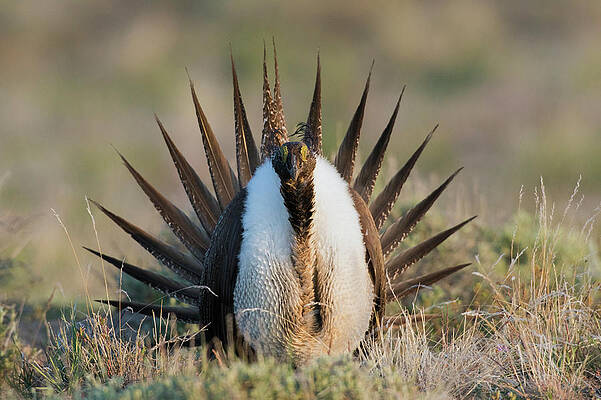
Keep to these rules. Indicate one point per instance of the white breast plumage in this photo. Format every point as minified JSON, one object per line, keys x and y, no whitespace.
{"x":267,"y":287}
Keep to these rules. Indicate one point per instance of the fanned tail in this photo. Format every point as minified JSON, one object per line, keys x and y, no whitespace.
{"x":384,"y":202}
{"x":208,"y":207}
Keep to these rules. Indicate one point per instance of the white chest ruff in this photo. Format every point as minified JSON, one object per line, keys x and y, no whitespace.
{"x":267,"y":287}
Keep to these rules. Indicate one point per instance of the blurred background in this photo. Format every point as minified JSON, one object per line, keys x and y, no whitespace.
{"x":515,"y":85}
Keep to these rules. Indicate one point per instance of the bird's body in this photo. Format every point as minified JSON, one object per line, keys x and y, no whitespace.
{"x":289,"y":258}
{"x":268,"y":299}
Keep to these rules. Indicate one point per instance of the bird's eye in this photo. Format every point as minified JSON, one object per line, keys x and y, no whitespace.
{"x":284,"y":153}
{"x":304,"y":152}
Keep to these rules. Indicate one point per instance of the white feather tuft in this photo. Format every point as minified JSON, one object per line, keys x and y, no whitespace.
{"x":267,"y":288}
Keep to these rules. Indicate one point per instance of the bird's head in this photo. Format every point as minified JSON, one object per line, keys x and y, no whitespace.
{"x":294,"y":162}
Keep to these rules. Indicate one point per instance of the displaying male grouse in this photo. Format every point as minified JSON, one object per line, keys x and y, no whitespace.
{"x":291,"y":256}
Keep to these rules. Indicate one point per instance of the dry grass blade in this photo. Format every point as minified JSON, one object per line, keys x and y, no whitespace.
{"x":396,"y":321}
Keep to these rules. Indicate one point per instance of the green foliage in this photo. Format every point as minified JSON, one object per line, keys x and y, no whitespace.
{"x":9,"y":352}
{"x":330,"y":378}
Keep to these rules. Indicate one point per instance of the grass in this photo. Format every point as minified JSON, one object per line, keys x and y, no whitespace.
{"x":532,"y":329}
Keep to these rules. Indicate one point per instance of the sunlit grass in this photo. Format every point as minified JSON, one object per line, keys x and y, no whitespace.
{"x":531,"y":330}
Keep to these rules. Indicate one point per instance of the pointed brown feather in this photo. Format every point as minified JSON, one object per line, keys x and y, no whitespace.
{"x":399,"y":230}
{"x":156,"y":281}
{"x":222,"y":270}
{"x":182,"y":264}
{"x":272,"y":137}
{"x":401,"y":289}
{"x":410,"y":256}
{"x":184,"y":314}
{"x":247,"y":155}
{"x":195,"y":239}
{"x":204,"y":203}
{"x":382,"y":206}
{"x":375,"y":260}
{"x":312,"y":137}
{"x":277,"y":94}
{"x":366,"y":180}
{"x":224,"y":181}
{"x":345,"y":159}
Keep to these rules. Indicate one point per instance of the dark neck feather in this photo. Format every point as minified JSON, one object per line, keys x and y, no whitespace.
{"x":299,"y":199}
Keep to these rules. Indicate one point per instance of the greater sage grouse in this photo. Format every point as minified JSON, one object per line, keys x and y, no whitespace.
{"x":290,"y":257}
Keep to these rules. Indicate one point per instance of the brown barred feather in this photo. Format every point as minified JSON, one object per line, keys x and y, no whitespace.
{"x":410,"y":256}
{"x":345,"y":159}
{"x":195,"y":238}
{"x":405,"y":288}
{"x":398,"y":231}
{"x":312,"y":137}
{"x":382,"y":206}
{"x":185,"y":314}
{"x":203,"y":202}
{"x":273,"y":134}
{"x":181,"y":263}
{"x":247,"y":155}
{"x":185,"y":293}
{"x":224,"y":179}
{"x":366,"y":180}
{"x":277,"y":96}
